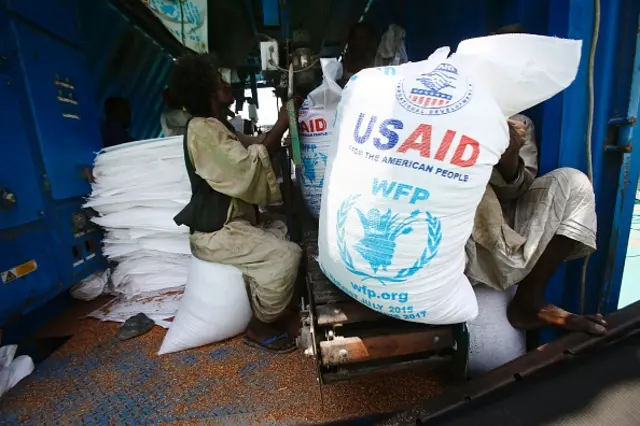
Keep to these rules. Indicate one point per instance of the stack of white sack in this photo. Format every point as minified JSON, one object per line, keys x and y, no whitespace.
{"x":139,"y":187}
{"x":412,"y":151}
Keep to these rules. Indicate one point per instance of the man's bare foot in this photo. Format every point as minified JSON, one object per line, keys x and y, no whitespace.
{"x":525,"y":317}
{"x":276,"y":337}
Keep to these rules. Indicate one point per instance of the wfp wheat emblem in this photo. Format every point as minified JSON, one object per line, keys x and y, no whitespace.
{"x":309,"y":165}
{"x":381,"y":231}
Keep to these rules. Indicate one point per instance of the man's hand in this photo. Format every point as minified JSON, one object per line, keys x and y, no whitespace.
{"x":283,"y":116}
{"x":510,"y":160}
{"x":517,"y":131}
{"x":274,"y":136}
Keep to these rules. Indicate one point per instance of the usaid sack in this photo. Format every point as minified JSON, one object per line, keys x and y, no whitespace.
{"x":412,"y":152}
{"x":315,"y":119}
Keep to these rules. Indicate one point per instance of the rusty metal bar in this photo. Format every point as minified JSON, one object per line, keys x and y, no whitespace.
{"x":347,"y":350}
{"x":350,"y":371}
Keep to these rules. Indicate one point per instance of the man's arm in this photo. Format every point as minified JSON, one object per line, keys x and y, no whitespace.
{"x":518,"y":166}
{"x":230,"y":168}
{"x":273,"y":139}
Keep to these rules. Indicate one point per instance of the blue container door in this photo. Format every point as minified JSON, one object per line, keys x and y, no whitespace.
{"x":623,"y":132}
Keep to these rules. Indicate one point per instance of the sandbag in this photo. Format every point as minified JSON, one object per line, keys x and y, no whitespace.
{"x":13,"y":370}
{"x":91,"y":287}
{"x":214,"y":307}
{"x":493,"y":341}
{"x":412,"y":151}
{"x":315,"y":120}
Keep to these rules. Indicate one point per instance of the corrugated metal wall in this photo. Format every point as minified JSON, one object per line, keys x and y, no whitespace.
{"x":124,"y":62}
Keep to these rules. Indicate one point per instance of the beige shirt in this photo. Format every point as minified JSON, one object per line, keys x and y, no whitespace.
{"x":235,"y":165}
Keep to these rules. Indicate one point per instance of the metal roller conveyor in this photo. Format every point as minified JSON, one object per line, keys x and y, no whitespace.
{"x":349,"y":340}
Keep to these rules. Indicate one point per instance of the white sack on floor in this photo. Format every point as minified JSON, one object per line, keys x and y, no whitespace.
{"x":13,"y":370}
{"x":92,"y":286}
{"x":412,"y":151}
{"x":215,"y":307}
{"x":493,"y":341}
{"x":315,"y":120}
{"x":139,"y":187}
{"x":7,"y":353}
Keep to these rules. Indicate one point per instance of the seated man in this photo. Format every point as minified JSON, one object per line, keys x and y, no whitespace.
{"x":230,"y":178}
{"x":526,"y":226}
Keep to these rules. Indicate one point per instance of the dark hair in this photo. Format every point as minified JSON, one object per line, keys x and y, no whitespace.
{"x":362,"y":26}
{"x":113,"y":104}
{"x":193,"y":81}
{"x":511,"y":29}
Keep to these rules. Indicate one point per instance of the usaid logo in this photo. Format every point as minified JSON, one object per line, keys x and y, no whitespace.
{"x":441,"y":91}
{"x":304,"y":108}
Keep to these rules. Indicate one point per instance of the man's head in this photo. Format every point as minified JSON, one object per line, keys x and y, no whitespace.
{"x":197,"y":84}
{"x":511,"y":29}
{"x":170,"y":100}
{"x":362,"y":41}
{"x":118,"y":110}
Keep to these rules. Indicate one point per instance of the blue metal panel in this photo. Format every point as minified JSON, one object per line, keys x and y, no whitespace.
{"x":18,"y":173}
{"x":61,"y":101}
{"x":270,"y":13}
{"x":124,"y":62}
{"x":18,"y":246}
{"x":626,"y":191}
{"x":78,"y":253}
{"x":55,"y":16}
{"x":613,"y":71}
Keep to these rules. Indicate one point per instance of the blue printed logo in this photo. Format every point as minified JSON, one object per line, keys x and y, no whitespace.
{"x":387,"y":70}
{"x":304,"y":108}
{"x":441,"y":91}
{"x":310,"y":163}
{"x":378,"y":245}
{"x":172,"y":10}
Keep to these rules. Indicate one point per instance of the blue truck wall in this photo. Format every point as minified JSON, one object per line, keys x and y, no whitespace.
{"x":562,"y":121}
{"x":123,"y":61}
{"x":59,"y":61}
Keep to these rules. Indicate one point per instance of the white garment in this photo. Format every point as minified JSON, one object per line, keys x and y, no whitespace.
{"x":174,"y":122}
{"x":391,"y":50}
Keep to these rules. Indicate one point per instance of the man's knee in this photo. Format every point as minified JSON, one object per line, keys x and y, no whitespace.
{"x":290,"y":253}
{"x":576,"y":176}
{"x":578,"y":184}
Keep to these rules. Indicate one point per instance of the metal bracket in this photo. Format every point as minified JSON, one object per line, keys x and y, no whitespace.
{"x":613,"y":131}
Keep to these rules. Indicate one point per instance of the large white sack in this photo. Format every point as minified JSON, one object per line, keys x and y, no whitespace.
{"x":214,"y":307}
{"x":412,"y":152}
{"x":18,"y":369}
{"x":316,"y":118}
{"x":92,"y":286}
{"x":493,"y":341}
